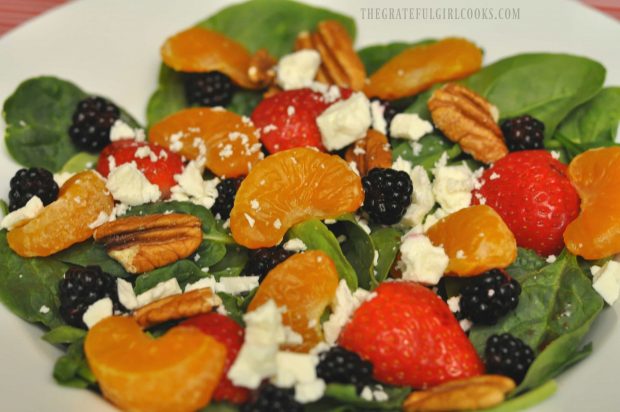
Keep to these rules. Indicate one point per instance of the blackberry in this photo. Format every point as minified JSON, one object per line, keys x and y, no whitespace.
{"x":208,"y":89}
{"x":226,"y":192}
{"x":263,"y":260}
{"x":388,"y":194}
{"x":92,"y":120}
{"x":523,"y":133}
{"x":273,"y":399}
{"x":80,"y":288}
{"x":489,"y":297}
{"x":339,"y":365}
{"x":507,"y":355}
{"x":28,"y":183}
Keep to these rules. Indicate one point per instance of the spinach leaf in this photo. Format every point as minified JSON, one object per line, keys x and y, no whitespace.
{"x":234,"y":305}
{"x":4,"y":208}
{"x":72,"y":368}
{"x":63,"y":334}
{"x":91,"y":253}
{"x":29,"y":284}
{"x":244,"y":102}
{"x":387,"y":242}
{"x":593,"y":124}
{"x":357,"y":248}
{"x":169,"y":97}
{"x":545,"y":86}
{"x":183,"y":270}
{"x":81,"y":161}
{"x":232,"y":264}
{"x":347,"y":394}
{"x":527,"y":400}
{"x":317,"y":236}
{"x":377,"y":55}
{"x":432,"y":147}
{"x":527,"y":261}
{"x":209,"y":253}
{"x":220,"y":407}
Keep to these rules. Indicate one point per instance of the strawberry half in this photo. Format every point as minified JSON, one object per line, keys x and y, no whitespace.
{"x":288,"y":119}
{"x":531,"y":191}
{"x":228,"y":332}
{"x":158,"y":164}
{"x":411,"y":338}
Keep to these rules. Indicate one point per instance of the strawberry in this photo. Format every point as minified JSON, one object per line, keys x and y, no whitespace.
{"x":288,"y":119}
{"x":411,"y":338}
{"x":228,"y":332}
{"x":158,"y":164}
{"x":532,"y":193}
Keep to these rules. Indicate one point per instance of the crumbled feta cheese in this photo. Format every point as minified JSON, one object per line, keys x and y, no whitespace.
{"x":409,"y":126}
{"x":422,"y":199}
{"x":460,"y":254}
{"x":31,"y":209}
{"x":353,"y":166}
{"x":254,"y":204}
{"x":297,"y":70}
{"x":378,"y":120}
{"x":233,"y":285}
{"x":299,"y":370}
{"x":126,"y":295}
{"x":343,"y":306}
{"x":420,"y":260}
{"x":494,"y":113}
{"x":376,"y":394}
{"x":121,"y":131}
{"x":363,"y":223}
{"x":551,"y":259}
{"x":62,"y":177}
{"x":555,"y":154}
{"x":454,"y":303}
{"x":344,"y":122}
{"x":606,"y":281}
{"x":101,"y":309}
{"x":310,"y":392}
{"x":466,"y":324}
{"x":128,"y":185}
{"x":191,"y":187}
{"x":366,"y":394}
{"x":44,"y":309}
{"x":175,"y":142}
{"x":250,"y":219}
{"x":452,"y":187}
{"x":162,"y":290}
{"x":102,"y":218}
{"x":277,"y":224}
{"x":330,"y":221}
{"x":295,"y":245}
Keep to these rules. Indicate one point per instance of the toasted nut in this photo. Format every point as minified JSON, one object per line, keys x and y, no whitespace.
{"x":262,"y":68}
{"x":370,"y":152}
{"x":143,"y":243}
{"x":479,"y":392}
{"x":304,"y":41}
{"x":173,"y":307}
{"x":469,"y":120}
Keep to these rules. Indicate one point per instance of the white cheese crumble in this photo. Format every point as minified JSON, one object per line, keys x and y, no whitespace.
{"x":295,"y":245}
{"x":409,"y":126}
{"x":297,"y":70}
{"x":162,"y":290}
{"x":126,"y":295}
{"x":376,"y":393}
{"x":344,"y":122}
{"x":343,"y":306}
{"x":277,"y":223}
{"x":378,"y":121}
{"x":233,"y":285}
{"x":128,"y":185}
{"x":454,"y":303}
{"x":122,"y":131}
{"x":298,"y":370}
{"x":29,"y":211}
{"x":606,"y":281}
{"x":191,"y":187}
{"x":102,"y":218}
{"x":422,"y":199}
{"x":421,"y":261}
{"x":551,"y":259}
{"x":62,"y":177}
{"x":44,"y":309}
{"x":452,"y":187}
{"x":101,"y":309}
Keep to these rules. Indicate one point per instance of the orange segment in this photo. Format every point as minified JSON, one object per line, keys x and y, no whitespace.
{"x":224,"y":140}
{"x":305,"y":283}
{"x":595,"y":174}
{"x":418,"y":68}
{"x":65,"y":221}
{"x":177,"y":372}
{"x":289,"y":187}
{"x":202,"y":50}
{"x":476,"y":239}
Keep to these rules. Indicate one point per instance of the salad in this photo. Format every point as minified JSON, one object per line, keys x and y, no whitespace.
{"x":303,"y":225}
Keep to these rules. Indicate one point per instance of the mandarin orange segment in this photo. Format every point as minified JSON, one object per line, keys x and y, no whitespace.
{"x":306,"y":284}
{"x":418,"y":68}
{"x":476,"y":239}
{"x":289,"y":187}
{"x":595,"y":233}
{"x":65,"y":221}
{"x":227,"y":142}
{"x":176,"y":372}
{"x":203,"y":50}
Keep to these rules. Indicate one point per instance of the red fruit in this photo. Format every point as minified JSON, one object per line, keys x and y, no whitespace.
{"x":159,"y":165}
{"x":531,"y":191}
{"x":411,"y":338}
{"x":227,"y":332}
{"x":288,"y":119}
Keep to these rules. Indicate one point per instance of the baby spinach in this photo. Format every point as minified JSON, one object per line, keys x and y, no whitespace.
{"x":232,"y":264}
{"x":63,"y":334}
{"x":387,"y":242}
{"x":316,"y":236}
{"x":4,"y":208}
{"x":220,"y":407}
{"x":433,"y":146}
{"x":169,"y":97}
{"x":79,"y":162}
{"x":527,"y":400}
{"x":527,"y":261}
{"x":184,"y":271}
{"x":357,"y":248}
{"x":543,"y":85}
{"x":377,"y":55}
{"x":347,"y":395}
{"x":91,"y":253}
{"x":209,"y":253}
{"x":72,"y":368}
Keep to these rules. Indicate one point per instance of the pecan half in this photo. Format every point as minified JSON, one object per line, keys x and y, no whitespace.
{"x":262,"y":68}
{"x":174,"y":307}
{"x":469,"y":120}
{"x":370,"y":152}
{"x":143,"y":243}
{"x":340,"y":63}
{"x":479,"y":392}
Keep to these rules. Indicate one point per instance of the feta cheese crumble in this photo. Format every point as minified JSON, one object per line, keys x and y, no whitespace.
{"x":191,"y":187}
{"x":233,"y":285}
{"x":102,"y":218}
{"x":31,"y":209}
{"x":421,"y":261}
{"x":452,"y":187}
{"x":297,"y":70}
{"x":343,"y":306}
{"x":62,"y":177}
{"x":606,"y":281}
{"x":378,"y":120}
{"x":295,"y":245}
{"x":126,"y":294}
{"x":298,"y":370}
{"x":162,"y":290}
{"x":128,"y":185}
{"x":101,"y":309}
{"x":409,"y":126}
{"x":122,"y":131}
{"x":344,"y":122}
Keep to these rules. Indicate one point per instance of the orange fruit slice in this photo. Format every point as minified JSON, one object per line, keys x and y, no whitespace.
{"x":418,"y":68}
{"x":289,"y":187}
{"x":476,"y":239}
{"x":176,"y":372}
{"x":226,"y":142}
{"x":203,"y":50}
{"x":595,"y":233}
{"x":306,"y":284}
{"x":65,"y":221}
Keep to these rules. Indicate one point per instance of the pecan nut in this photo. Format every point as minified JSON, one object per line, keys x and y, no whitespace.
{"x":469,"y":120}
{"x":478,"y":392}
{"x":370,"y":152}
{"x":174,"y":307}
{"x":261,"y":70}
{"x":143,"y":243}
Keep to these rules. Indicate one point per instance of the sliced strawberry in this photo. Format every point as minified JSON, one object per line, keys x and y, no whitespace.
{"x":230,"y":334}
{"x":411,"y":338}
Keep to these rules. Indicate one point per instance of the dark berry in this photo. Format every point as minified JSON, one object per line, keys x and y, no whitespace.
{"x":509,"y":356}
{"x":387,"y":195}
{"x":339,"y":365}
{"x":28,"y":183}
{"x":273,"y":399}
{"x":263,"y":260}
{"x":80,"y":288}
{"x":226,"y":192}
{"x":208,"y":89}
{"x":489,"y":297}
{"x":523,"y":133}
{"x":92,"y":120}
